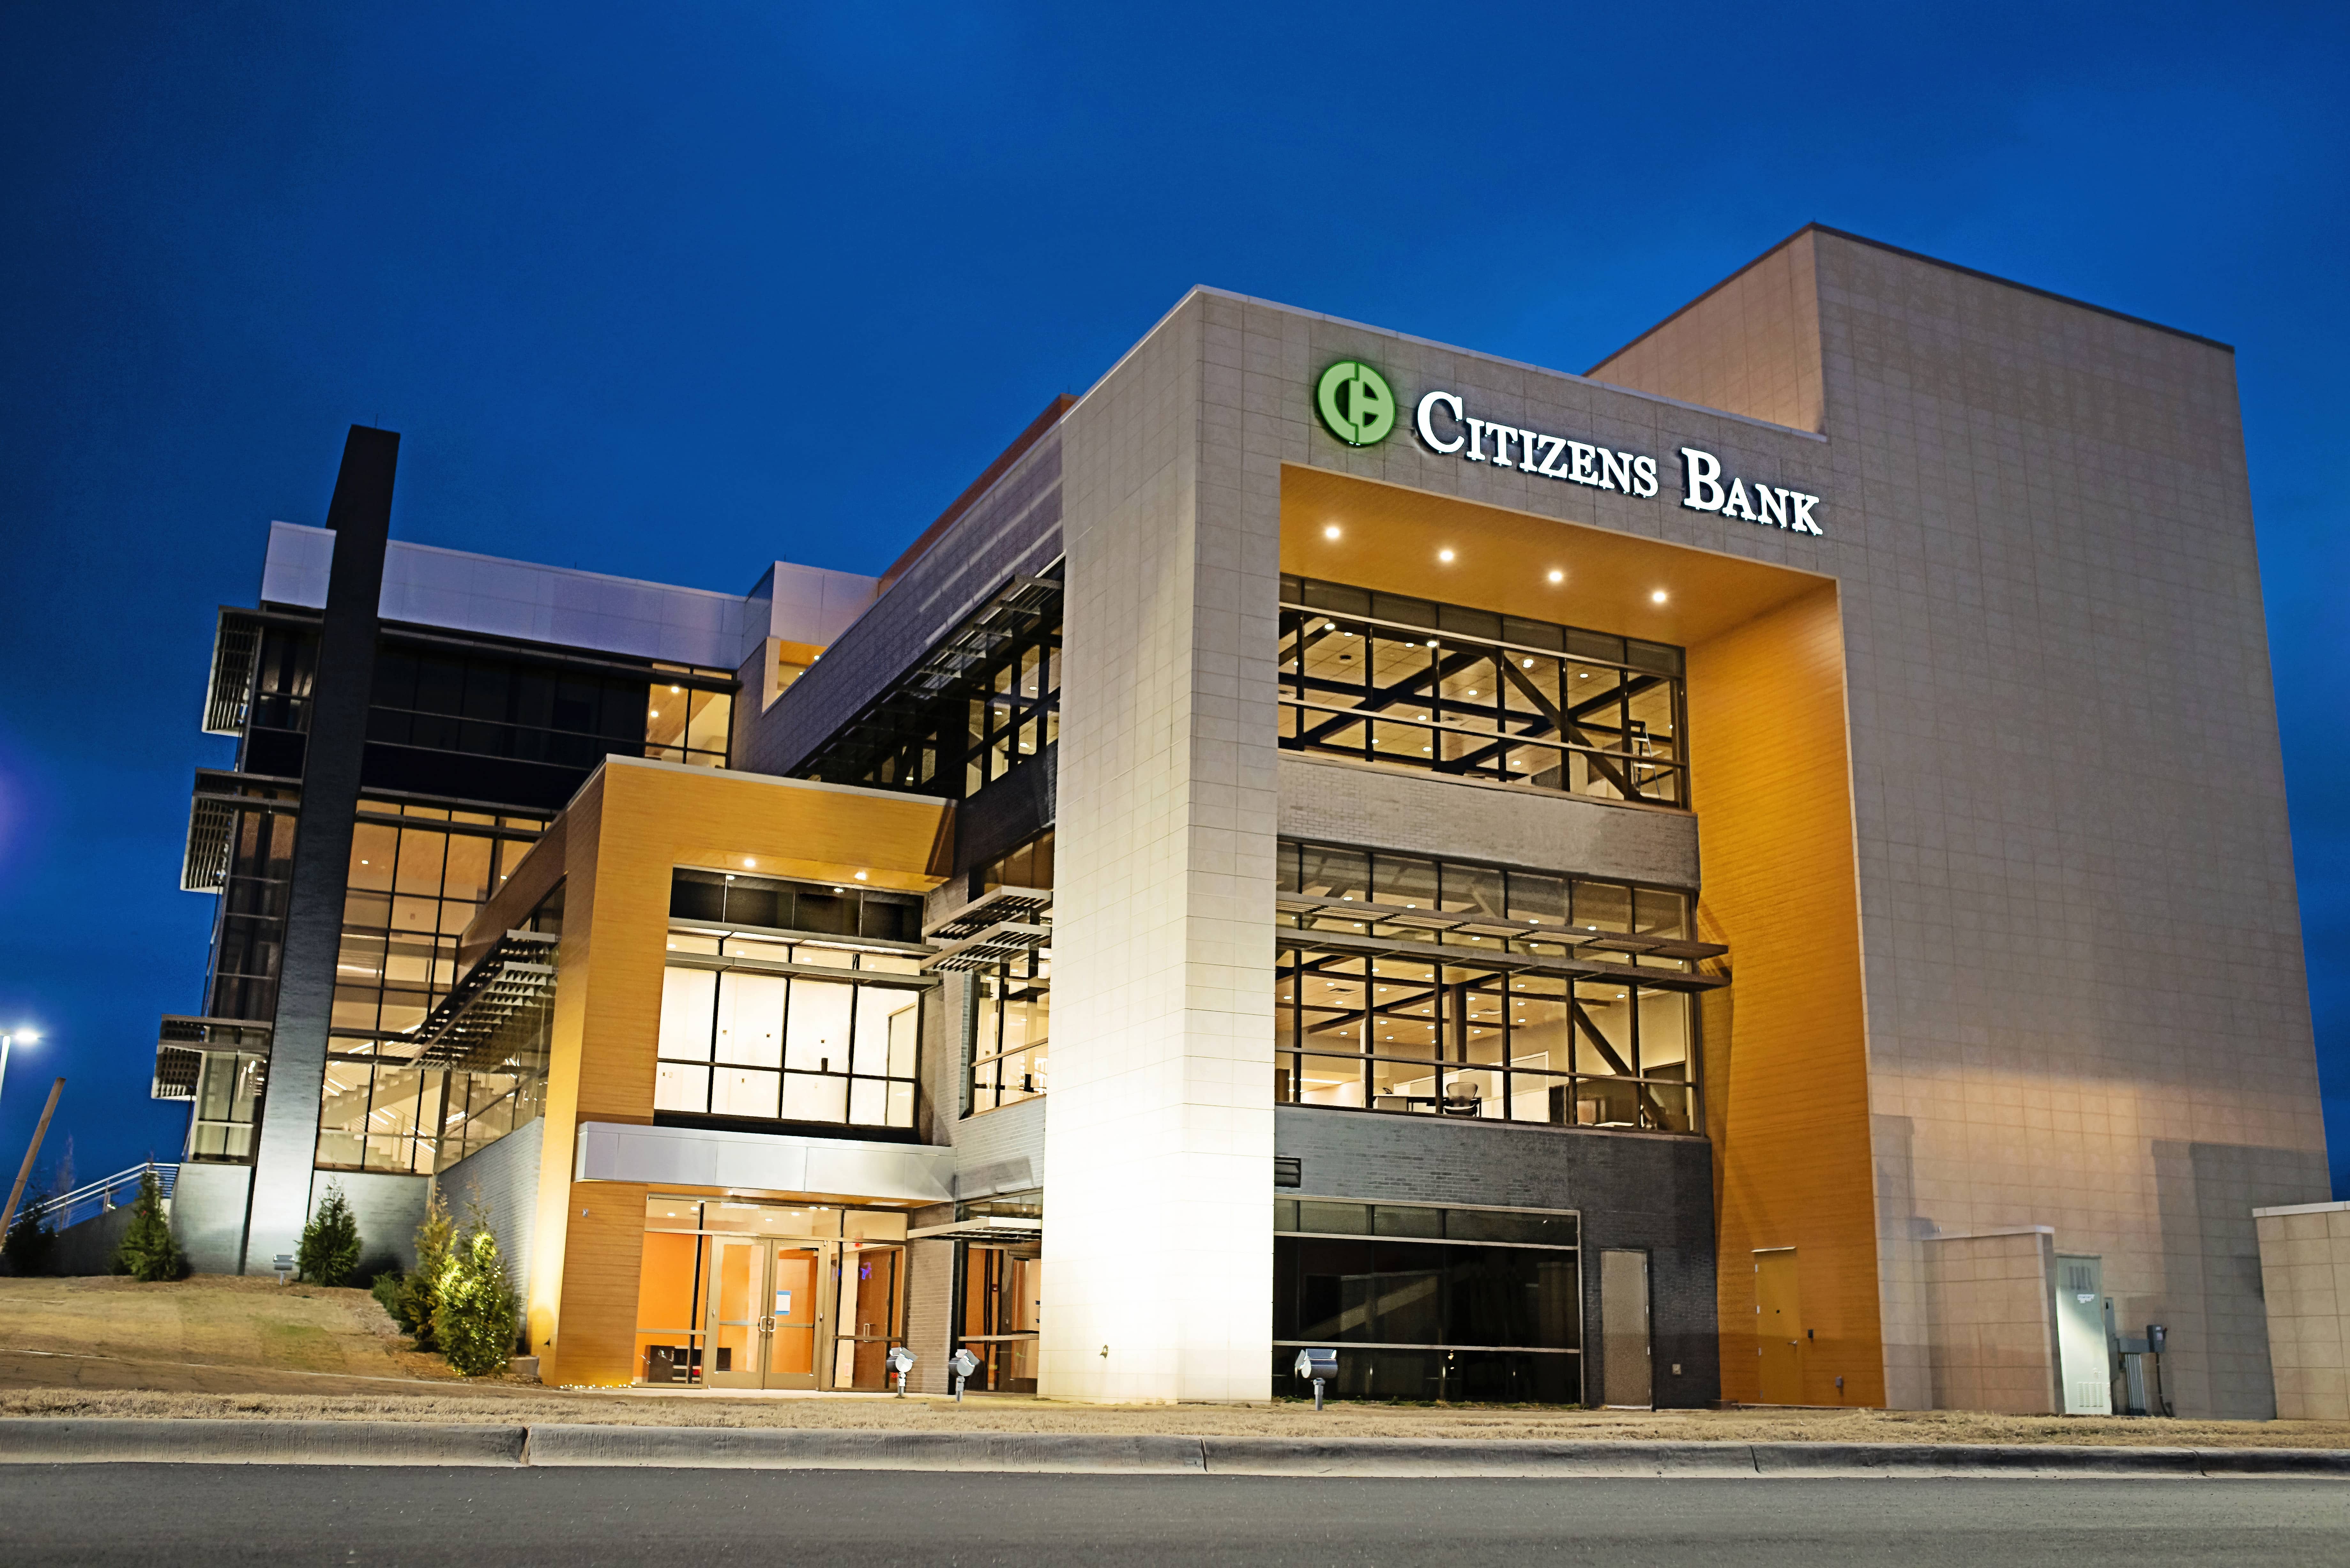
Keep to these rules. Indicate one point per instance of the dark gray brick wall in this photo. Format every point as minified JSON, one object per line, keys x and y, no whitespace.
{"x":504,"y":1175}
{"x":1652,"y":1193}
{"x":1013,"y":531}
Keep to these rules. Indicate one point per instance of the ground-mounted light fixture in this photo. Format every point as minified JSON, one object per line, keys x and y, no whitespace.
{"x":1321,"y":1366}
{"x":900,"y":1362}
{"x":962,"y":1364}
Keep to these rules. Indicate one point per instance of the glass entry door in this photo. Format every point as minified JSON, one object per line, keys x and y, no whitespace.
{"x":766,"y":1313}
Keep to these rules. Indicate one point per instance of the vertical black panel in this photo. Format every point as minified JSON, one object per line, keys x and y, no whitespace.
{"x":360,"y":516}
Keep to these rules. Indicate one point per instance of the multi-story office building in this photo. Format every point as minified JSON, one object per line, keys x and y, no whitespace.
{"x":1759,"y":872}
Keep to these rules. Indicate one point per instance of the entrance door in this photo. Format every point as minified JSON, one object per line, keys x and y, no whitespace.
{"x":1625,"y":1371}
{"x":794,"y":1316}
{"x":736,"y":1356}
{"x":865,"y":1319}
{"x":1778,"y":1326}
{"x":766,"y":1314}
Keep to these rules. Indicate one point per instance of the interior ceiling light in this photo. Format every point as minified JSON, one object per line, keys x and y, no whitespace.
{"x":861,"y":876}
{"x":1445,"y":555}
{"x":1331,"y":532}
{"x":1558,"y":576}
{"x":748,"y":861}
{"x":1657,"y":597}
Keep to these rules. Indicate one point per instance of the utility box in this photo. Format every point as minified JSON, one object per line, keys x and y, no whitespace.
{"x":2086,"y":1367}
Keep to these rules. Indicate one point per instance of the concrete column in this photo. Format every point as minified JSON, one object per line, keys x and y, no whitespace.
{"x":1157,"y":1234}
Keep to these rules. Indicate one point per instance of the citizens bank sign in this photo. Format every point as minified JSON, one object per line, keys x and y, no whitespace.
{"x":1359,"y":408}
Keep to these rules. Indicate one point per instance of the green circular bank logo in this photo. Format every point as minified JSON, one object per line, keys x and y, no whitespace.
{"x":1356,"y":403}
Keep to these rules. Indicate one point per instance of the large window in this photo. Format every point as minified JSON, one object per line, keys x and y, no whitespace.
{"x":1429,"y":1303}
{"x":1011,"y":1030}
{"x":418,"y":875}
{"x":1434,"y":688}
{"x":790,"y":1002}
{"x":1409,"y":984}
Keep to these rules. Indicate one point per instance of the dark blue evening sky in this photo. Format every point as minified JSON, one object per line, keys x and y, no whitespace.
{"x":673,"y":291}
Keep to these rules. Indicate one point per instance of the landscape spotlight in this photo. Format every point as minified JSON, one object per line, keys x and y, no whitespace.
{"x":1322,"y":1365}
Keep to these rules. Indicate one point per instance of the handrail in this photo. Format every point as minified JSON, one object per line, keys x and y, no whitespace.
{"x":102,"y":1192}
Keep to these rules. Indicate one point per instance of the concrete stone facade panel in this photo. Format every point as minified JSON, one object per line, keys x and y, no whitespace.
{"x":1333,"y":803}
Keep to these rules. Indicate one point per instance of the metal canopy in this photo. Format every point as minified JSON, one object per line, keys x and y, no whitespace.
{"x":1004,"y":1229}
{"x":903,"y":710}
{"x":986,"y":949}
{"x":473,"y":1026}
{"x":1354,"y":944}
{"x":992,"y":907}
{"x":1477,"y":924}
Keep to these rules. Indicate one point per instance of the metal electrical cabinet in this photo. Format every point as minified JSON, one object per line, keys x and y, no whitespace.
{"x":2085,"y":1368}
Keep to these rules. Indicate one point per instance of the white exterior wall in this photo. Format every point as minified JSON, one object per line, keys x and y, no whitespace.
{"x":1158,"y":1243}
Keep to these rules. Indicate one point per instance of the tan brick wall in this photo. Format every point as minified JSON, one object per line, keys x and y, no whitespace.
{"x":2305,"y":1280}
{"x":1751,"y":345}
{"x":1993,"y":1322}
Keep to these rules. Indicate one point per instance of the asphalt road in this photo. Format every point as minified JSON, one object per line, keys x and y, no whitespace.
{"x":220,"y":1514}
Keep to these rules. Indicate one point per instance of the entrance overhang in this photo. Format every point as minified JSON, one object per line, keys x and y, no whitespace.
{"x":765,"y":1162}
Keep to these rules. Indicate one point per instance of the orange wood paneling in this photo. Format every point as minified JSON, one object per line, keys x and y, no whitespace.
{"x":1392,"y":539}
{"x":1788,"y":1077}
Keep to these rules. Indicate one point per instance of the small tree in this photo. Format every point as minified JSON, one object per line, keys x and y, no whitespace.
{"x":420,"y":1288}
{"x":330,"y":1241}
{"x":473,"y":1318}
{"x":147,"y":1251}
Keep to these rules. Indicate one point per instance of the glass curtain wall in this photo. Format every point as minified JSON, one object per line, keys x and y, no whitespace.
{"x":418,"y":875}
{"x":790,"y":1002}
{"x":1006,"y":714}
{"x":1429,"y":1303}
{"x":1011,"y":1030}
{"x":1419,"y":1032}
{"x":570,"y":715}
{"x":1434,"y":688}
{"x":249,"y":937}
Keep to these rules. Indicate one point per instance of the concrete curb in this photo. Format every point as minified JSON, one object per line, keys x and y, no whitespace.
{"x":1402,"y":1457}
{"x":42,"y":1440}
{"x":45,"y":1440}
{"x":801,"y":1448}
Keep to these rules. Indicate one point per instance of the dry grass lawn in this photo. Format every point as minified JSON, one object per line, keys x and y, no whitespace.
{"x":252,"y":1349}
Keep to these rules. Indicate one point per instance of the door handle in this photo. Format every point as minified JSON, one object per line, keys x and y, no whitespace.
{"x":767,"y":1325}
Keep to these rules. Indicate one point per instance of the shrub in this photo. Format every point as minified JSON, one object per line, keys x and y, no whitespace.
{"x":420,"y":1288}
{"x":474,"y":1319}
{"x":330,"y":1241}
{"x":387,"y":1288}
{"x":30,"y":1240}
{"x":147,"y":1251}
